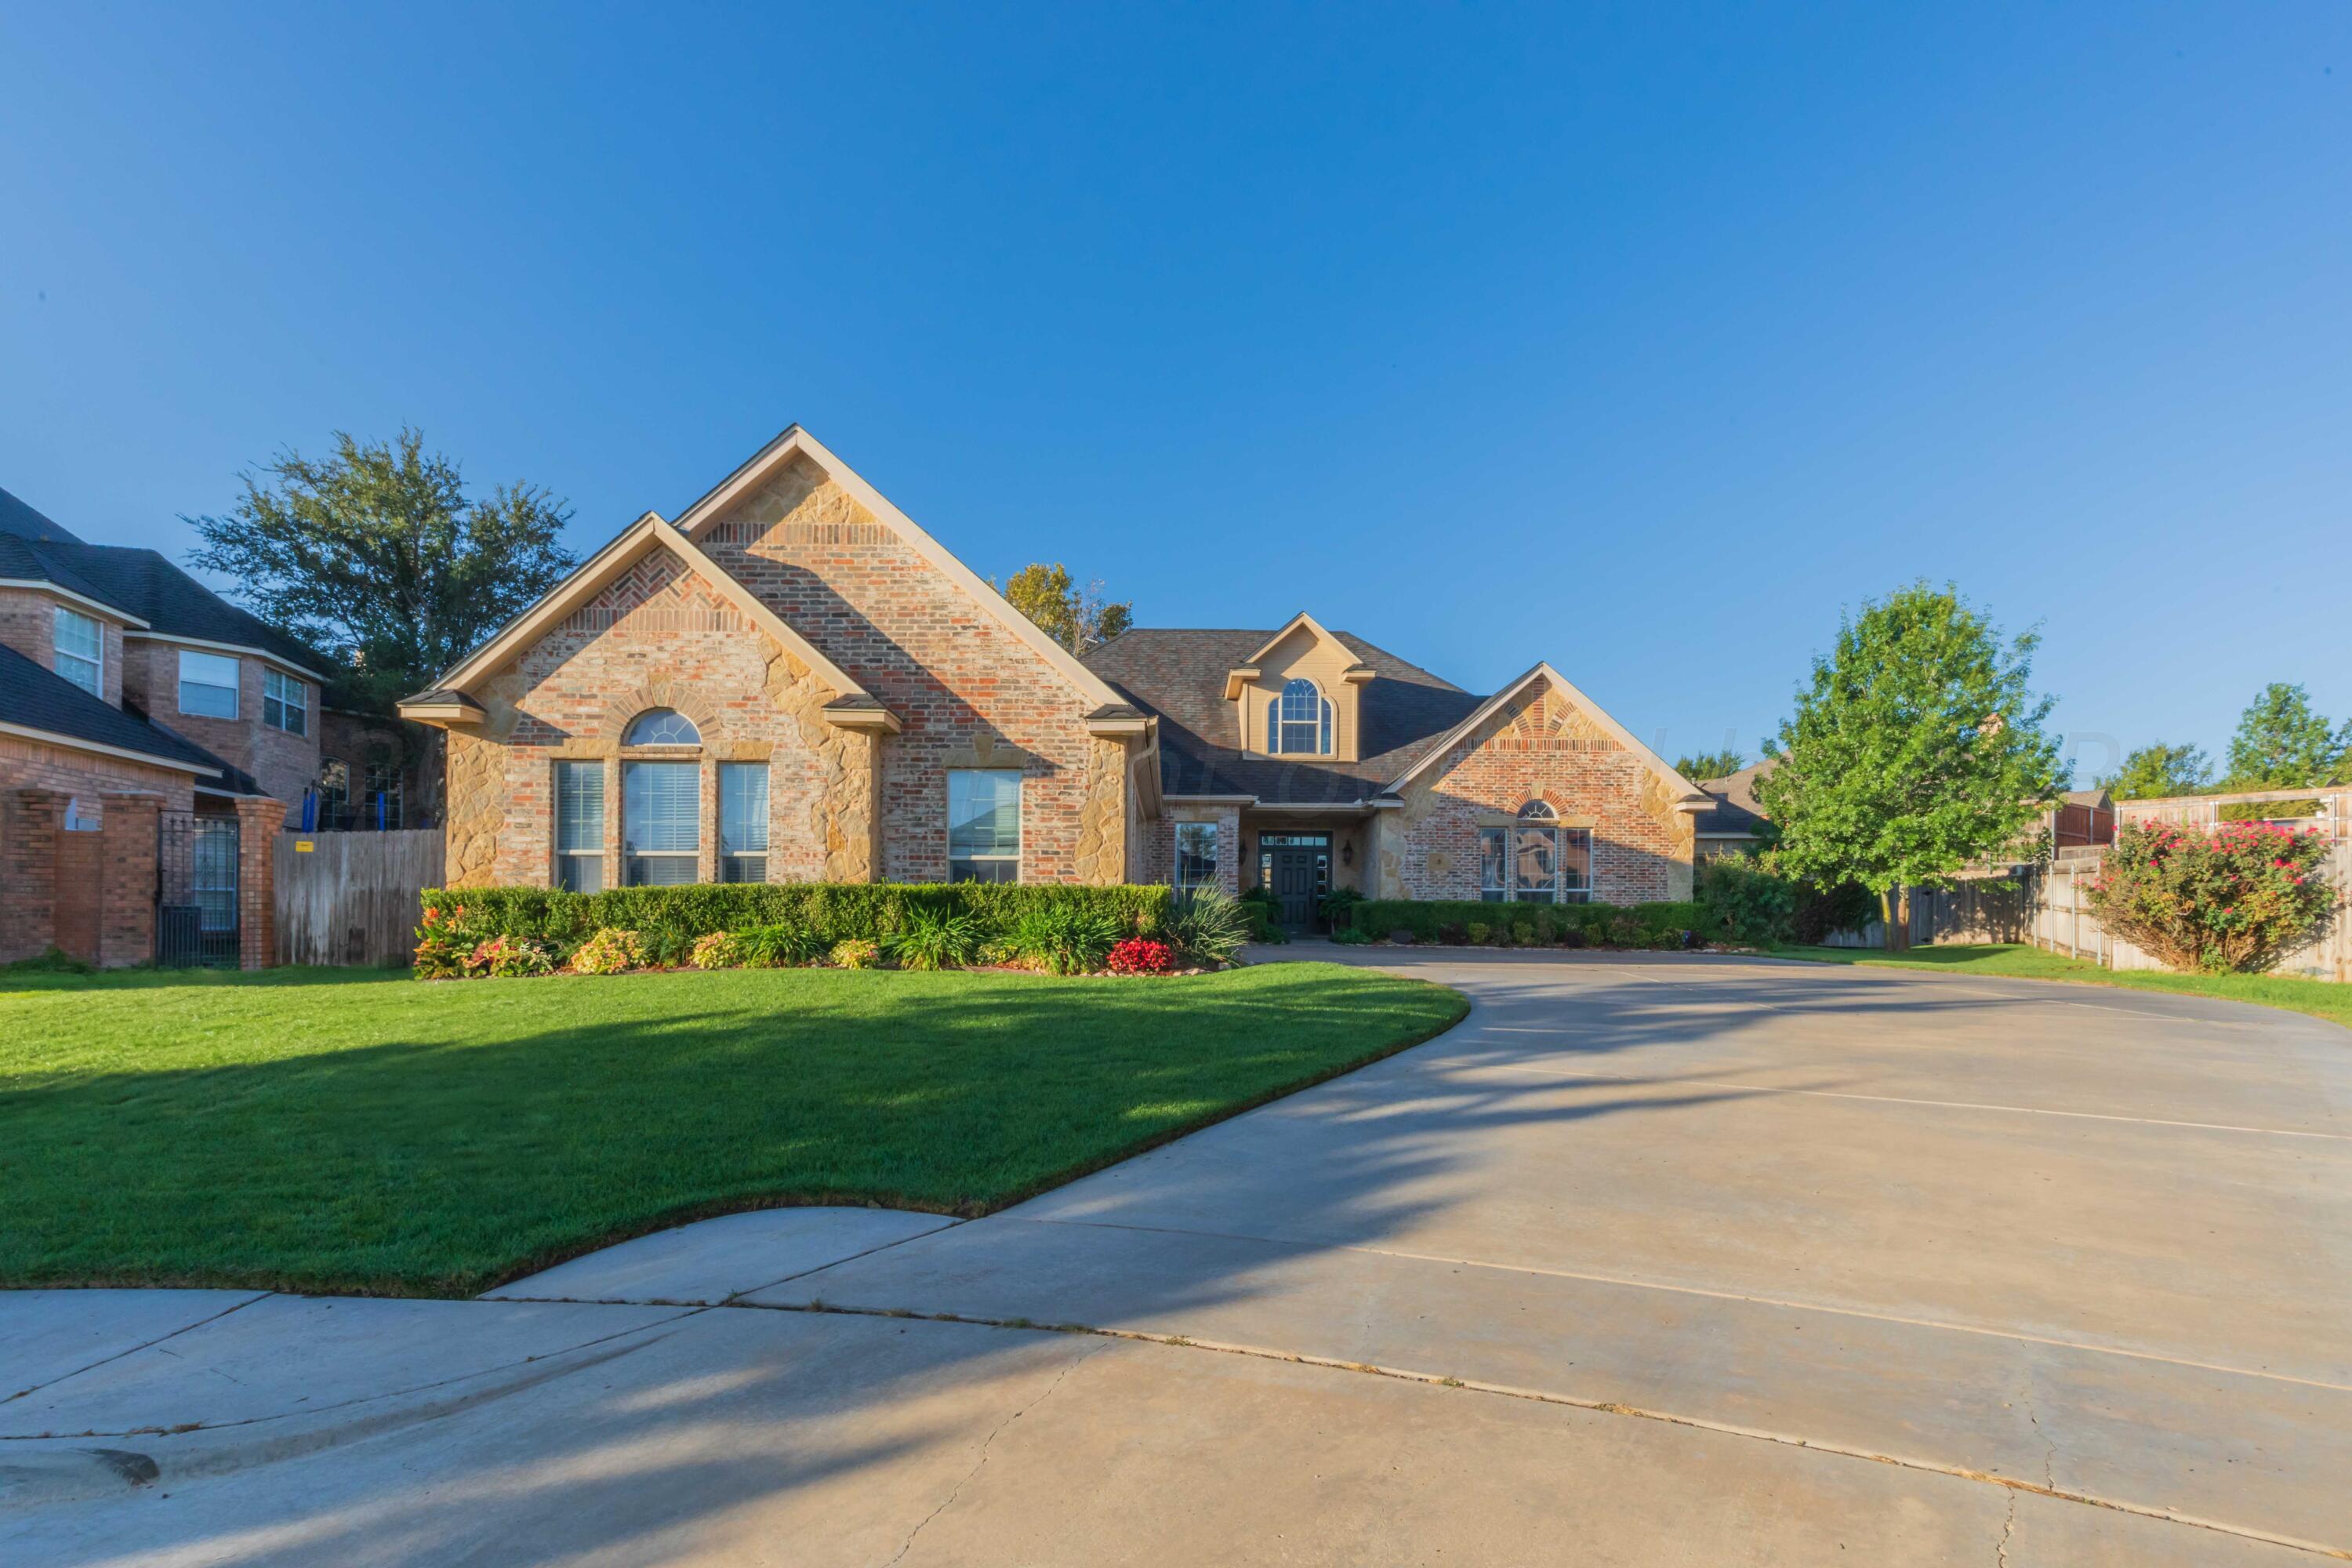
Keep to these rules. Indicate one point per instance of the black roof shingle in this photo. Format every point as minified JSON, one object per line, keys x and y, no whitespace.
{"x":41,"y":699}
{"x":1179,"y":675}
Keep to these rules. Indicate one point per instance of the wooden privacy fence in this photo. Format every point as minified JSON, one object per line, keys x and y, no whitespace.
{"x":352,"y":897}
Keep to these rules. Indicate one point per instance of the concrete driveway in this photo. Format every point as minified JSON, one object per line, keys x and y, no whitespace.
{"x":1651,"y":1260}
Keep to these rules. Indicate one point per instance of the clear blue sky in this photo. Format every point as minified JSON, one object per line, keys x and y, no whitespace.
{"x":1640,"y":344}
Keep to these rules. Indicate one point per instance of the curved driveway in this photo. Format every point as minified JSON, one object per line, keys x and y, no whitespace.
{"x":1669,"y":1260}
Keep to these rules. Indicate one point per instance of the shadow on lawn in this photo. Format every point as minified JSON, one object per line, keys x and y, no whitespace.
{"x":798,"y":1415}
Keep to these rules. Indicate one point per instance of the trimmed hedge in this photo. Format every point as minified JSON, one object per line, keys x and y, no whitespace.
{"x":1429,"y":919}
{"x":670,"y":918}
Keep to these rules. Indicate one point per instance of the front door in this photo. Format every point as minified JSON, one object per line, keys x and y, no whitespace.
{"x":1297,"y":872}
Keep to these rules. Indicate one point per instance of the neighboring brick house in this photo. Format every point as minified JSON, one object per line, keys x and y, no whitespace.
{"x":794,"y":681}
{"x":110,"y":819}
{"x":141,"y":635}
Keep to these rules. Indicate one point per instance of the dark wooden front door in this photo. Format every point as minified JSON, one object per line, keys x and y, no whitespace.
{"x":1299,"y":874}
{"x":1294,"y":884}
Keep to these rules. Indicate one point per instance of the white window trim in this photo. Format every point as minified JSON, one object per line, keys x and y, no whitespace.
{"x":555,"y":805}
{"x":299,"y":703}
{"x":1020,"y":838}
{"x":1325,"y":724}
{"x":59,"y":655}
{"x":692,"y":856}
{"x":234,"y":689}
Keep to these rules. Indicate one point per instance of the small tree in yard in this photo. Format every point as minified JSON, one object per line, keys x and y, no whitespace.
{"x":1918,"y":750}
{"x":1079,"y":617}
{"x":2156,"y":770}
{"x":2232,"y":900}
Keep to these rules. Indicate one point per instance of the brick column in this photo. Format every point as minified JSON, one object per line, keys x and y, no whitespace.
{"x":257,"y":824}
{"x":30,"y":821}
{"x":126,"y":856}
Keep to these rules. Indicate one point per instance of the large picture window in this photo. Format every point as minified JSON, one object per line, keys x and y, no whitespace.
{"x":579,"y":826}
{"x":1196,"y":855}
{"x":661,"y":822}
{"x":1534,"y":860}
{"x":81,"y":651}
{"x":207,"y":685}
{"x":1299,"y":722}
{"x":285,"y":703}
{"x":983,"y":825}
{"x":742,"y":822}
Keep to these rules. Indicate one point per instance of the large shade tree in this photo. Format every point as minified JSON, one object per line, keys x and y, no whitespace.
{"x":2282,"y":742}
{"x":378,"y":554}
{"x":2157,"y":770}
{"x":1080,"y":616}
{"x":1918,"y":747}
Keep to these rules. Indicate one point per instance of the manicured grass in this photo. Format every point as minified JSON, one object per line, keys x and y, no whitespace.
{"x":2320,"y":998}
{"x":334,"y":1130}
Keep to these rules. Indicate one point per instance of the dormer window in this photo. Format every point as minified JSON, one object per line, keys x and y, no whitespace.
{"x":80,"y":651}
{"x":1299,"y":722}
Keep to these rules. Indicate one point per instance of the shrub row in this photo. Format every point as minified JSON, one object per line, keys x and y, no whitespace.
{"x":1596,"y":925}
{"x":669,"y":920}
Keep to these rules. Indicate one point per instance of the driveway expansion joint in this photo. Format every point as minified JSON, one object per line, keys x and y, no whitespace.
{"x":1602,"y":1407}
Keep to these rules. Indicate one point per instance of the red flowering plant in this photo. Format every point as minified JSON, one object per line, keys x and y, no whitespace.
{"x":1141,"y":956}
{"x":2236,"y":897}
{"x":443,"y":944}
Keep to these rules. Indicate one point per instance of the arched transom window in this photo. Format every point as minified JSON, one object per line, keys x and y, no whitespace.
{"x":662,"y":727}
{"x":1299,"y":721}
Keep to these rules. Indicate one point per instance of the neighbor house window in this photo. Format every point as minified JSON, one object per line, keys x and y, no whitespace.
{"x":579,"y":826}
{"x":81,"y":651}
{"x":81,"y":817}
{"x":380,"y":777}
{"x":207,"y":685}
{"x":742,"y":822}
{"x":1534,"y":860}
{"x":1299,"y":721}
{"x":661,"y":822}
{"x":334,"y":788}
{"x":983,"y":825}
{"x":285,"y":703}
{"x":1196,"y":854}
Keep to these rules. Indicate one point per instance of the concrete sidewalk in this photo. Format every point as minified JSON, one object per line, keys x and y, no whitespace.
{"x":1651,"y":1260}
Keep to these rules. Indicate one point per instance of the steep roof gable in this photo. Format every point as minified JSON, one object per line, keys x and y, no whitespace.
{"x":641,"y":538}
{"x":796,"y":442}
{"x":1688,"y":795}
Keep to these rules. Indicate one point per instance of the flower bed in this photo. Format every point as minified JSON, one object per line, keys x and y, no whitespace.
{"x":479,"y":932}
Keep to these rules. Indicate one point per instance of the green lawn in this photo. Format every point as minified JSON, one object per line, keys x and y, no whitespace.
{"x":338,"y":1130}
{"x":2320,"y":998}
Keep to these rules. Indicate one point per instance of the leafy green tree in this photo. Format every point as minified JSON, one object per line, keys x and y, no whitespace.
{"x":378,"y":554}
{"x":1710,"y":764}
{"x":1079,"y":618}
{"x":2156,"y":770}
{"x":2283,"y":744}
{"x":1917,"y":748}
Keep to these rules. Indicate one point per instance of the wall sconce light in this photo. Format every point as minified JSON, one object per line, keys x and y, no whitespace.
{"x":1347,"y":854}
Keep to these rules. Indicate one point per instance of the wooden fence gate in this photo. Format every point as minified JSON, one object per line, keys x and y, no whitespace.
{"x":351,"y":898}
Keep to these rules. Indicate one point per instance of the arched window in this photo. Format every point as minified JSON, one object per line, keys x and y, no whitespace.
{"x":1536,"y":811}
{"x":1299,"y":721}
{"x":662,"y":727}
{"x":1534,"y":860}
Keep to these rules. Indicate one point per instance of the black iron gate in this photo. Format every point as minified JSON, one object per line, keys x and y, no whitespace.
{"x":195,"y":891}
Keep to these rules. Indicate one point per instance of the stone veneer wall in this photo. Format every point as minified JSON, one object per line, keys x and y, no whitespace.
{"x":967,"y":690}
{"x":659,"y":636}
{"x":1541,"y":747}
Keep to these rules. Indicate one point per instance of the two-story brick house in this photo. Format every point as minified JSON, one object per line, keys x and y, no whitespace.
{"x":794,"y":681}
{"x":132,"y":673}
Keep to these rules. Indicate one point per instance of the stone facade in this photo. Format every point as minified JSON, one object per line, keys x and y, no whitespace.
{"x":967,"y":692}
{"x":1539,"y":747}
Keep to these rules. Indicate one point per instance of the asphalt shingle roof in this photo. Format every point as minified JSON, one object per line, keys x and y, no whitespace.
{"x":22,"y":521}
{"x":39,"y":699}
{"x":1179,"y":673}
